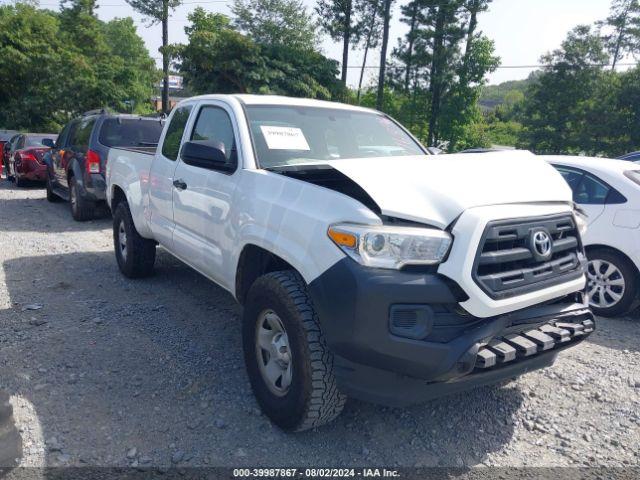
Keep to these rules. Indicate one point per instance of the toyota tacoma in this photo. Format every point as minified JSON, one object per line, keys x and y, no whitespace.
{"x":366,"y":267}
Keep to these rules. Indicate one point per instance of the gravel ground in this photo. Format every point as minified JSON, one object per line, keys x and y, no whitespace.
{"x":105,"y":371}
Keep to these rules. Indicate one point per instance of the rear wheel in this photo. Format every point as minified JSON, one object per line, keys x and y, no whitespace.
{"x":135,"y":254}
{"x":288,"y":362}
{"x":7,"y":172}
{"x":51,"y":196}
{"x":612,"y":283}
{"x":20,"y":182}
{"x":81,"y":209}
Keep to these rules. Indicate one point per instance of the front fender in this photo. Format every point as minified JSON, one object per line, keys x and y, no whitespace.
{"x":289,"y":218}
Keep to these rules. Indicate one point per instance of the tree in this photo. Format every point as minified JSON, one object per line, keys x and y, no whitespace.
{"x":383,"y":53}
{"x":369,"y":11}
{"x":474,"y":7}
{"x":47,"y":76}
{"x":624,"y":26}
{"x":338,"y":20}
{"x":276,"y":22}
{"x":447,"y":32}
{"x":219,"y":58}
{"x":158,"y":12}
{"x":558,"y":101}
{"x":410,"y":14}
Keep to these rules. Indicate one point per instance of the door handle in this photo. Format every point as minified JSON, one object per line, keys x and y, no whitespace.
{"x":180,"y":184}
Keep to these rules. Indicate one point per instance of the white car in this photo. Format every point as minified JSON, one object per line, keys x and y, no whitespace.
{"x":366,"y":267}
{"x":609,"y":192}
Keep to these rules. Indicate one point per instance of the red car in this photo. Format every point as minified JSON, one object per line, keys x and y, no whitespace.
{"x":23,"y":160}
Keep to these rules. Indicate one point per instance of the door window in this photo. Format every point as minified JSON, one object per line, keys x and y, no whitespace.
{"x":62,"y":138}
{"x":214,"y":124}
{"x":591,"y":191}
{"x":80,"y":136}
{"x":175,"y":130}
{"x":588,"y":189}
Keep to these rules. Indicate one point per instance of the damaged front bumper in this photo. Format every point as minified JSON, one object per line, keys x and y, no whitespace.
{"x":454,"y":351}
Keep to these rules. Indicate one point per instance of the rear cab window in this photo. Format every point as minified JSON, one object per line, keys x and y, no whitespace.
{"x":130,"y":133}
{"x":175,"y":131}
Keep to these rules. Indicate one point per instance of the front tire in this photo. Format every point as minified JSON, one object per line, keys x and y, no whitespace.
{"x":135,"y":254}
{"x":612,"y":283}
{"x":288,"y":362}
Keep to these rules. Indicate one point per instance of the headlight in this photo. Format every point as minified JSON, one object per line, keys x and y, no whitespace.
{"x":391,"y":247}
{"x":581,"y":219}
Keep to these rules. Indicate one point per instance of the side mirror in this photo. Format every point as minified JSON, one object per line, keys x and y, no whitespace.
{"x":207,"y":154}
{"x":48,"y":142}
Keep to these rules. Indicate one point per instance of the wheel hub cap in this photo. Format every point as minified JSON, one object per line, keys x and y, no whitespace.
{"x":273,"y":353}
{"x":605,"y":284}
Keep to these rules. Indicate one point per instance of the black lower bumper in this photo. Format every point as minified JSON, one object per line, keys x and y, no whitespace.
{"x":456,"y":352}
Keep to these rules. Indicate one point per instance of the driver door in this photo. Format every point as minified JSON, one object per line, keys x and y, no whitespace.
{"x":202,"y":196}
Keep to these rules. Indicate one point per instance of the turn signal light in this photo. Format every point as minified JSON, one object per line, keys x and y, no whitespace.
{"x":342,"y":238}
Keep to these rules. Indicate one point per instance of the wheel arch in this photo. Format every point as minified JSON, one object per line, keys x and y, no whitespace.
{"x":253,"y":262}
{"x":75,"y":171}
{"x":117,"y":196}
{"x":613,"y":250}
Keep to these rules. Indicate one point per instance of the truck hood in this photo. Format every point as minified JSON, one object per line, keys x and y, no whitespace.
{"x":437,"y":189}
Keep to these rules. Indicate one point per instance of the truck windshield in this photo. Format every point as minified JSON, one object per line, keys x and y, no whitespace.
{"x":286,"y":135}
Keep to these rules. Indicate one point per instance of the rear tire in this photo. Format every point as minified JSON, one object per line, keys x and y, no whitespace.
{"x":135,"y":254}
{"x":279,"y":314}
{"x":612,"y":283}
{"x":81,"y":209}
{"x":51,"y":196}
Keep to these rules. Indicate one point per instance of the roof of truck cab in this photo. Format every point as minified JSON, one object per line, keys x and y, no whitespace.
{"x":248,"y":99}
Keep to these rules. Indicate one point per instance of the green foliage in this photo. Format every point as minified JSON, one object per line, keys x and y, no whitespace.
{"x":440,"y":67}
{"x":492,"y":96}
{"x":218,"y":58}
{"x":154,"y":10}
{"x":276,"y":23}
{"x":51,"y":72}
{"x":622,"y":27}
{"x":576,"y":106}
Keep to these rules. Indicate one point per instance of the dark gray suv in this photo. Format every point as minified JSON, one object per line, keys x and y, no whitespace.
{"x":76,"y":165}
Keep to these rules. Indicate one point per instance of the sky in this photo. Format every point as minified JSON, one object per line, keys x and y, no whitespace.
{"x":523,"y":30}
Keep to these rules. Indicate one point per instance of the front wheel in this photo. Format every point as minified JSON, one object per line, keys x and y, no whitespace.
{"x":612,"y":283}
{"x":288,"y":362}
{"x":135,"y":254}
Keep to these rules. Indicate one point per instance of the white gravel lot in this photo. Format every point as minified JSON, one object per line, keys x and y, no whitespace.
{"x":114,"y":372}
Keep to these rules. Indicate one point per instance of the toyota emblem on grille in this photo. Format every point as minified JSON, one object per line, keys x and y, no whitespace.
{"x":541,"y":244}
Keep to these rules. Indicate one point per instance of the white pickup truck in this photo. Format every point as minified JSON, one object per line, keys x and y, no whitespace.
{"x":366,"y":267}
